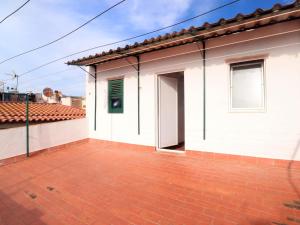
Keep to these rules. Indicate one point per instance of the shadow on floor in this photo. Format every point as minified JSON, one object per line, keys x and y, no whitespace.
{"x":13,"y":213}
{"x":296,"y":203}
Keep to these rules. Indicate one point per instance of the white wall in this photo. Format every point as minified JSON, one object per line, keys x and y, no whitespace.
{"x":90,"y":100}
{"x":13,"y":140}
{"x":66,"y":101}
{"x":272,"y":134}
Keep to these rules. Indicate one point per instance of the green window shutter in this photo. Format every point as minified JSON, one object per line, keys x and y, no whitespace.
{"x":115,"y":96}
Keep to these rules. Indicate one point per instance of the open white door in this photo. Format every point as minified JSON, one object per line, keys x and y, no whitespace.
{"x":167,"y":112}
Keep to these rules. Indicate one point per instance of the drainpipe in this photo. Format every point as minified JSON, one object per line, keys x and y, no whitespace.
{"x":95,"y":113}
{"x":27,"y":125}
{"x":138,"y":92}
{"x":138,"y":89}
{"x":204,"y":87}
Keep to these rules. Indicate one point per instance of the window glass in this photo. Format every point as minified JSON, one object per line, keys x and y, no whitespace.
{"x":247,"y":86}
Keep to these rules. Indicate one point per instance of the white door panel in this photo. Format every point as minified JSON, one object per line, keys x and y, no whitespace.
{"x":168,"y":111}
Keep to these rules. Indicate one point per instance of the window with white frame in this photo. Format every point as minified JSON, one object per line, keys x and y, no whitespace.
{"x":247,"y":86}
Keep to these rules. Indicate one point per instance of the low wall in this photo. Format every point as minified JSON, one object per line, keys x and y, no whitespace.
{"x":41,"y":136}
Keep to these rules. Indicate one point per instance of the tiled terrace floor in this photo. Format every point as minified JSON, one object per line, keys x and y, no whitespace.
{"x":109,"y":183}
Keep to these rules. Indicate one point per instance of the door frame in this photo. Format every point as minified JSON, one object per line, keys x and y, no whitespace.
{"x":156,"y":107}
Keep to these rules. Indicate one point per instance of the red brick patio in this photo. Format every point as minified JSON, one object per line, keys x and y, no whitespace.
{"x":109,"y":183}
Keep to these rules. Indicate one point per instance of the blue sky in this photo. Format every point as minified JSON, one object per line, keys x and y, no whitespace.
{"x":44,"y":20}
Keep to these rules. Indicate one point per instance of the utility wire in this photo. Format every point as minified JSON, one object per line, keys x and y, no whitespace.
{"x":183,"y":63}
{"x":194,"y":36}
{"x":195,"y":51}
{"x":49,"y":74}
{"x":186,"y":38}
{"x":15,"y":11}
{"x":40,"y":77}
{"x":131,"y":38}
{"x":194,"y":61}
{"x":62,"y":37}
{"x":198,"y":50}
{"x":208,"y":48}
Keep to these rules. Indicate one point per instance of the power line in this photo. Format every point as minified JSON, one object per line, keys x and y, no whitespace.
{"x":200,"y":50}
{"x":208,"y":48}
{"x":187,"y":62}
{"x":194,"y":36}
{"x":207,"y":59}
{"x":196,"y":60}
{"x":40,"y":77}
{"x":65,"y":35}
{"x":49,"y":74}
{"x":232,"y":43}
{"x":9,"y":15}
{"x":131,"y":38}
{"x":59,"y":87}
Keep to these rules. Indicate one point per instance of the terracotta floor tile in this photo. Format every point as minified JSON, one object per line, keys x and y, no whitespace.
{"x":100,"y":182}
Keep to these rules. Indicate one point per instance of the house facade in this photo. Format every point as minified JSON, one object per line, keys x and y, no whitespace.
{"x":231,"y":87}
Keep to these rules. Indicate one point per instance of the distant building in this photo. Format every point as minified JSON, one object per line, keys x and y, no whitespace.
{"x":16,"y":97}
{"x":39,"y":97}
{"x":75,"y":101}
{"x":1,"y":86}
{"x":54,"y":98}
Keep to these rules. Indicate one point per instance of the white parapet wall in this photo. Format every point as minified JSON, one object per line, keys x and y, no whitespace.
{"x":41,"y":136}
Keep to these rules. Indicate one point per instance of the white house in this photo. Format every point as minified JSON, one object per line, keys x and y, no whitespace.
{"x":230,"y":87}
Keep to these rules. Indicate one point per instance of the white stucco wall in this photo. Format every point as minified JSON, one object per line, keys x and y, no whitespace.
{"x":66,"y":101}
{"x":41,"y":136}
{"x":271,"y":134}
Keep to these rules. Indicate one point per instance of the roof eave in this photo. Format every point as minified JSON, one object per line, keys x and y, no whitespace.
{"x":223,"y":27}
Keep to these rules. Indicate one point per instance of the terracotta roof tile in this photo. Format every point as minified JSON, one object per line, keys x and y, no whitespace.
{"x":15,"y":112}
{"x":125,"y":51}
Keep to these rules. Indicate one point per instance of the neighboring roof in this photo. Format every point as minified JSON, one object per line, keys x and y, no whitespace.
{"x":238,"y":23}
{"x":38,"y":112}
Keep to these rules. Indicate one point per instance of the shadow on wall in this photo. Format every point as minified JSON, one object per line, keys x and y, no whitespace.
{"x":40,"y":137}
{"x":13,"y":213}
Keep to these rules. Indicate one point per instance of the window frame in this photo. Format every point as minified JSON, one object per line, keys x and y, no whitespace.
{"x":263,"y":85}
{"x":110,"y":109}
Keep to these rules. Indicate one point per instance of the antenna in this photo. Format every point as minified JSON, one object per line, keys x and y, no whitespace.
{"x":13,"y":76}
{"x":1,"y":86}
{"x":2,"y":90}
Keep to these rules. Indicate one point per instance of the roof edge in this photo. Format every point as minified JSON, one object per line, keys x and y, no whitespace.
{"x":189,"y":33}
